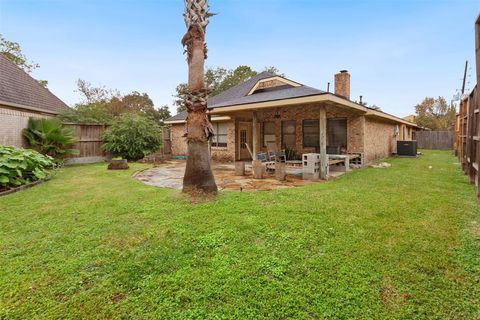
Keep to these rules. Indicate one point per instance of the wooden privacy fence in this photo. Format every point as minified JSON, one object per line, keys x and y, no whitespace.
{"x":467,"y":142}
{"x":89,"y":142}
{"x":434,"y":139}
{"x":467,"y":125}
{"x":167,"y":140}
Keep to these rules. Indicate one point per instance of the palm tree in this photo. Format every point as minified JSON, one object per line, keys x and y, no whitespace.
{"x":198,"y":173}
{"x":50,"y":137}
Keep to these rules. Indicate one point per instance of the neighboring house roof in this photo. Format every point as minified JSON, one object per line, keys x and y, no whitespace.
{"x":411,"y":118}
{"x":19,"y":90}
{"x":178,"y":117}
{"x":244,"y":95}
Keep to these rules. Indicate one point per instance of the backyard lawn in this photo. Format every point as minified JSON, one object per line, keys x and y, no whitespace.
{"x":395,"y":243}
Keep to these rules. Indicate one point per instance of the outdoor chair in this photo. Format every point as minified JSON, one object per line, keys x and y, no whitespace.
{"x":274,"y":154}
{"x":281,"y":156}
{"x":262,"y":156}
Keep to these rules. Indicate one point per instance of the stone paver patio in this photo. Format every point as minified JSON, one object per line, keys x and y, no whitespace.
{"x":170,"y":175}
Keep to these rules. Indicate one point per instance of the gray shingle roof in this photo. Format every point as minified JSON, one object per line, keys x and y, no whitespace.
{"x":285,"y":93}
{"x":178,"y":117}
{"x":19,"y":88}
{"x":239,"y":94}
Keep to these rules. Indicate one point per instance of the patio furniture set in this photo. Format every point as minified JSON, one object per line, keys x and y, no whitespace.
{"x":275,"y":161}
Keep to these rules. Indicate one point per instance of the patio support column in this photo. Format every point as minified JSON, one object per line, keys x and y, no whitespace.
{"x":257,"y":167}
{"x":323,"y":143}
{"x":254,"y":135}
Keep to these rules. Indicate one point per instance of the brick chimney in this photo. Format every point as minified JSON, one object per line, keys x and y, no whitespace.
{"x":342,"y":84}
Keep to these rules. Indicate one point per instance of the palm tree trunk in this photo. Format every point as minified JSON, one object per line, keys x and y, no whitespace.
{"x":198,"y":173}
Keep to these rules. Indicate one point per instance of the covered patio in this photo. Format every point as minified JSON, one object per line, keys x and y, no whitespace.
{"x":328,"y":129}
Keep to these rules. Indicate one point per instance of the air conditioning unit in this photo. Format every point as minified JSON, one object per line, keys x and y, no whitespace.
{"x":407,"y":148}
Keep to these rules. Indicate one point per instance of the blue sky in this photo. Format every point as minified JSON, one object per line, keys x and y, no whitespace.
{"x":397,"y":52}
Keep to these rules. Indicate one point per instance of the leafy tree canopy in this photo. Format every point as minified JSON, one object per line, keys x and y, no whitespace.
{"x":13,"y":52}
{"x":102,"y":105}
{"x":435,"y":114}
{"x":218,"y":80}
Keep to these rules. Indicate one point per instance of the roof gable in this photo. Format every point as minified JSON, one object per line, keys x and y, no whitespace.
{"x":19,"y":89}
{"x":262,"y":87}
{"x":265,"y":86}
{"x":275,"y":82}
{"x":240,"y":90}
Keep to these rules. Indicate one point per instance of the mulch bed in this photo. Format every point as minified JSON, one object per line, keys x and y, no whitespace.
{"x":4,"y":192}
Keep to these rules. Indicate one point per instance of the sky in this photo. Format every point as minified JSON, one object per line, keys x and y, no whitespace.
{"x":397,"y":52}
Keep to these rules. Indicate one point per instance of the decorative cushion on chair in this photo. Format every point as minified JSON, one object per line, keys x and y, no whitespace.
{"x":262,"y":156}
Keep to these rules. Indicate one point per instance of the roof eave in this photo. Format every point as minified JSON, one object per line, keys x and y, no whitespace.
{"x":384,"y":115}
{"x":322,"y":97}
{"x":174,"y":121}
{"x":214,"y":119}
{"x":16,"y":105}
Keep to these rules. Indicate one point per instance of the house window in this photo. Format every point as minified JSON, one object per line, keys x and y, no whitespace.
{"x":288,"y":134}
{"x":337,"y":132}
{"x":268,"y":133}
{"x":220,"y":137}
{"x":311,"y":133}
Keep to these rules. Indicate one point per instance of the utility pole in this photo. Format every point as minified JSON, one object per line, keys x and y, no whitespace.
{"x":464,"y":77}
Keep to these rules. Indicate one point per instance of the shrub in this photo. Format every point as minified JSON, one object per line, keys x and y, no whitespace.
{"x":49,"y":137}
{"x":132,"y":136}
{"x":22,"y":166}
{"x":292,"y":154}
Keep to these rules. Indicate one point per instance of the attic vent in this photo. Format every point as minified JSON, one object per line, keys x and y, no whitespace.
{"x":272,"y":83}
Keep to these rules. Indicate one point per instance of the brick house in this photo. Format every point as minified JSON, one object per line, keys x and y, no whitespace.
{"x":270,"y":108}
{"x":22,"y":97}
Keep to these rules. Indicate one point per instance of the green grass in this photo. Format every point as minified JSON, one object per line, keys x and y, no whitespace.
{"x":396,"y":243}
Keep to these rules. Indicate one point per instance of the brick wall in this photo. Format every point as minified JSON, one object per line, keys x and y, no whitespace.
{"x":374,"y":138}
{"x":379,"y":140}
{"x":226,"y":154}
{"x":179,"y":144}
{"x":355,"y":124}
{"x":12,"y":121}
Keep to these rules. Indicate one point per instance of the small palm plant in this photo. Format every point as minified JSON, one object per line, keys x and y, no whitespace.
{"x":49,"y":137}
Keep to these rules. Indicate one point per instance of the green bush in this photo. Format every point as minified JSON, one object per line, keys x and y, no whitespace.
{"x":292,"y":154}
{"x":22,"y":166}
{"x":132,"y":136}
{"x":49,"y":137}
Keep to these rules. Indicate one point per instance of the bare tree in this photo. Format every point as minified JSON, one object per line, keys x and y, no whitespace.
{"x":198,"y":173}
